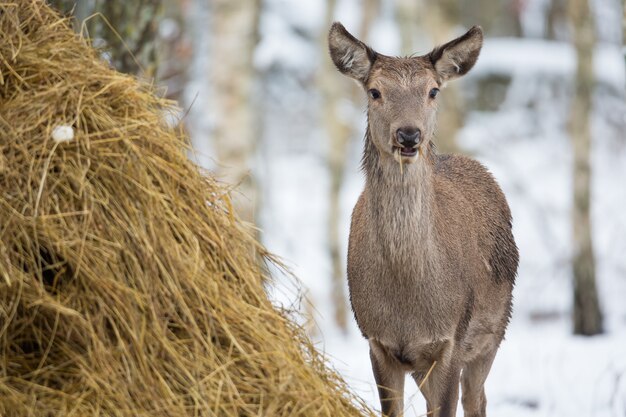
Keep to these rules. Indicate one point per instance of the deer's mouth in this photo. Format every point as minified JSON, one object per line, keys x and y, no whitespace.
{"x":405,"y":151}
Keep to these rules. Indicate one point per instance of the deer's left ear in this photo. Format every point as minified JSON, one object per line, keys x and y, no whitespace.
{"x":458,"y":56}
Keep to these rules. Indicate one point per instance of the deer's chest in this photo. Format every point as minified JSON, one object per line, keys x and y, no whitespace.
{"x":397,"y":285}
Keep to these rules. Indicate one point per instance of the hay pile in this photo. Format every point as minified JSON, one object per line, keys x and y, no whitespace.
{"x":127,"y":287}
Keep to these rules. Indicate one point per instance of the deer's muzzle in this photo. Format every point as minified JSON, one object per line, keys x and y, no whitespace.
{"x":408,"y":139}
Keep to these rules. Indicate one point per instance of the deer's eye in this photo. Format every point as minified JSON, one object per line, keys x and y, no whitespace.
{"x":374,"y":93}
{"x":433,"y":93}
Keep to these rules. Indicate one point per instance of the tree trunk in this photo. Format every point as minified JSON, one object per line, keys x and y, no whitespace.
{"x":235,"y":36}
{"x":369,"y":12}
{"x":338,"y":132}
{"x":339,"y":128}
{"x":587,"y":314}
{"x":132,"y":39}
{"x":624,"y":26}
{"x":176,"y":48}
{"x":556,"y":19}
{"x":440,"y":18}
{"x":406,"y":15}
{"x":497,"y":18}
{"x":130,"y":34}
{"x":64,"y":6}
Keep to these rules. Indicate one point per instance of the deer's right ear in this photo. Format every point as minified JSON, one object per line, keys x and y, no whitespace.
{"x":351,"y":56}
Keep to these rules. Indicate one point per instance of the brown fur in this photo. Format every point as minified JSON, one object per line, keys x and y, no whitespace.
{"x":431,"y":258}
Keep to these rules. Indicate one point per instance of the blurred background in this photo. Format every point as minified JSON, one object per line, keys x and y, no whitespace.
{"x":544,"y":109}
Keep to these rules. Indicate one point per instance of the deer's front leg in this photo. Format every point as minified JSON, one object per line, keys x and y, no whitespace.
{"x":390,"y":381}
{"x":441,"y":390}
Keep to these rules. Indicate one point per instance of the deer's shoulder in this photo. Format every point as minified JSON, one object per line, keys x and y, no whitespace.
{"x":461,"y":168}
{"x":466,"y":173}
{"x":470,"y":178}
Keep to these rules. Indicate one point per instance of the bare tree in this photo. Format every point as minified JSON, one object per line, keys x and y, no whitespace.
{"x":406,"y":15}
{"x":128,"y":28}
{"x":439,"y":18}
{"x":498,"y":18}
{"x":587,"y":314}
{"x":339,"y":135}
{"x":624,"y":24}
{"x":175,"y":48}
{"x":234,"y":38}
{"x":64,"y":6}
{"x":556,"y":19}
{"x":340,"y":131}
{"x":132,"y":37}
{"x":369,"y":11}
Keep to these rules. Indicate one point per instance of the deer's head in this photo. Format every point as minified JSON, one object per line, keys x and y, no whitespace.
{"x":402,"y":92}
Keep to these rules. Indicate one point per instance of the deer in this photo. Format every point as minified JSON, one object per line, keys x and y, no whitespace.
{"x":432,"y":259}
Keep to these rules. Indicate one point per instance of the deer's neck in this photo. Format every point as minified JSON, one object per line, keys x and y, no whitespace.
{"x":400,"y":203}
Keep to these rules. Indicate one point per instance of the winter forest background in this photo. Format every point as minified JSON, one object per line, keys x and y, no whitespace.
{"x":544,"y":109}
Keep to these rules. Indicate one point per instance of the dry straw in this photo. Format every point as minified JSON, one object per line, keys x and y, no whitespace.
{"x":127,"y":287}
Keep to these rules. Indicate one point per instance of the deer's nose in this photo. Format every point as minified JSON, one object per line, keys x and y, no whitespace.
{"x":408,"y":137}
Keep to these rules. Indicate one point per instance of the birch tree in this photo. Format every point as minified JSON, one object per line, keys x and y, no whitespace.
{"x":235,"y":36}
{"x":339,"y":127}
{"x":587,"y":314}
{"x":439,"y":18}
{"x":338,"y":132}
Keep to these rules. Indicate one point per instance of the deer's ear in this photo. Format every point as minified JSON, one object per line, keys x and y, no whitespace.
{"x":351,"y":56}
{"x":458,"y":56}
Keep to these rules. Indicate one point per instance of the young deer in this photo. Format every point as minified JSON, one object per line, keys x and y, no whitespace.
{"x":431,"y":259}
